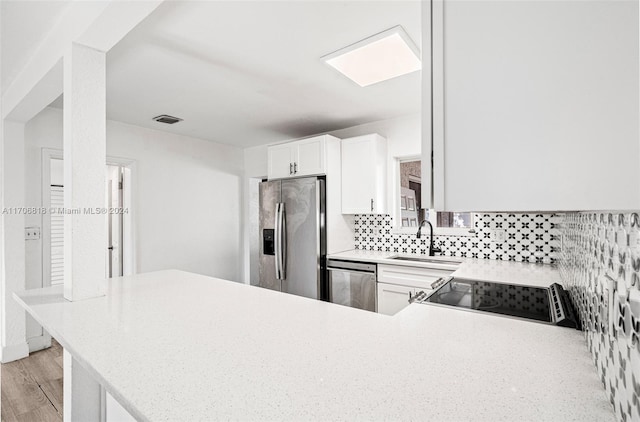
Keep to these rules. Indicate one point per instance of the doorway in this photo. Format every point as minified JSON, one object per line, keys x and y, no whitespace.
{"x":115,"y":181}
{"x":119,"y":244}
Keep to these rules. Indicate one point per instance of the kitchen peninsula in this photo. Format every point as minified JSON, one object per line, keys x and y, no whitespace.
{"x":173,"y":345}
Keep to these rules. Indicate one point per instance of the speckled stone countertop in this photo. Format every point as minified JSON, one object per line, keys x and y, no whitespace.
{"x":523,"y":273}
{"x":172,"y":346}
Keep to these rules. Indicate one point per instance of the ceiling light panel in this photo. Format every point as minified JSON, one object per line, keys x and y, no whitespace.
{"x":381,"y":57}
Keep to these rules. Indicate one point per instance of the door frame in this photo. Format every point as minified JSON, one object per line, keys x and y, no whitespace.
{"x":129,"y":262}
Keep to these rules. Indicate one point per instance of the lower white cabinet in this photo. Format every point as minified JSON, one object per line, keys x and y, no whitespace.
{"x":397,"y":283}
{"x":393,"y":298}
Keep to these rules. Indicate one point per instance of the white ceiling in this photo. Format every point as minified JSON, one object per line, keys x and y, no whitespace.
{"x":249,"y":73}
{"x":24,"y":24}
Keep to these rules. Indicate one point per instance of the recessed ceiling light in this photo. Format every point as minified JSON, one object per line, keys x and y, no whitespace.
{"x":165,"y":118}
{"x":378,"y":58}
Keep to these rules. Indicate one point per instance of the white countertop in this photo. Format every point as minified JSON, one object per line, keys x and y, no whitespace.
{"x":173,"y":346}
{"x":522,"y":273}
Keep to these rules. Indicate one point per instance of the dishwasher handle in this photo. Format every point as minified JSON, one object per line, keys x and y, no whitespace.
{"x":365,"y":267}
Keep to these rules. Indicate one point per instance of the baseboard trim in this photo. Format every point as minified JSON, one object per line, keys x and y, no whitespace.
{"x":14,"y":352}
{"x":39,"y":343}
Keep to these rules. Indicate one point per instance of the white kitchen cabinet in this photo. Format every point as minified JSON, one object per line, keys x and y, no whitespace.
{"x":310,"y":156}
{"x":417,"y":277}
{"x":307,"y":157}
{"x":316,"y":156}
{"x":280,"y":161}
{"x":364,"y":175}
{"x":393,"y":298}
{"x":535,"y":105}
{"x":397,"y":282}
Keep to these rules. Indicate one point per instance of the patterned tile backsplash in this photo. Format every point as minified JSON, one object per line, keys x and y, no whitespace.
{"x":600,"y":265}
{"x":529,"y":238}
{"x":599,"y":259}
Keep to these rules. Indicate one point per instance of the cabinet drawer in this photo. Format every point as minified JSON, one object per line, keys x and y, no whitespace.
{"x":420,"y":278}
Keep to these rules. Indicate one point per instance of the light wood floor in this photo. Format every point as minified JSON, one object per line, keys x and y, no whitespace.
{"x":32,"y":387}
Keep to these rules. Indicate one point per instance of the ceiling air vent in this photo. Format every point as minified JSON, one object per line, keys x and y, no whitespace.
{"x":163,"y":118}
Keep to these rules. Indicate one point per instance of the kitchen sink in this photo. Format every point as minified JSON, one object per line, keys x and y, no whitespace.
{"x":431,"y":260}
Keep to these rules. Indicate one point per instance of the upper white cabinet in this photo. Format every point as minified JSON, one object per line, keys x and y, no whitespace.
{"x":280,"y":161}
{"x":306,"y":157}
{"x":310,"y":156}
{"x":535,"y":105}
{"x":317,"y":156}
{"x":364,"y":175}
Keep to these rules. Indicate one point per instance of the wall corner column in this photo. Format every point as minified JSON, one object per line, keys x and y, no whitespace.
{"x":85,"y":161}
{"x":85,"y":225}
{"x":12,"y":267}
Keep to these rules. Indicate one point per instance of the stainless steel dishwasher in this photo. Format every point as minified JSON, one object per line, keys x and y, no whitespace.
{"x":352,"y":284}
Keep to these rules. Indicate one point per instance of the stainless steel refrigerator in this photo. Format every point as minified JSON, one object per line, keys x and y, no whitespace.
{"x":293,"y":239}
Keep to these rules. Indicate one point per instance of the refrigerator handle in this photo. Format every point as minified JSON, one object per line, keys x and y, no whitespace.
{"x":281,"y":242}
{"x":277,"y":239}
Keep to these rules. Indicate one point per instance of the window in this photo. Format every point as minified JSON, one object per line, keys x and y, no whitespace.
{"x":411,"y":212}
{"x":454,"y":219}
{"x":410,"y":208}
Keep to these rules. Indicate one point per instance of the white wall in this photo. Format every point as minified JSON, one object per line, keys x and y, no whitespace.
{"x":187,"y":196}
{"x":255,"y":169}
{"x":402,"y":133}
{"x":255,"y":161}
{"x":12,"y":331}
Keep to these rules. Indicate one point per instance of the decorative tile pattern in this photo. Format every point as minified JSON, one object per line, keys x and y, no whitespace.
{"x":530,"y":238}
{"x":600,"y":265}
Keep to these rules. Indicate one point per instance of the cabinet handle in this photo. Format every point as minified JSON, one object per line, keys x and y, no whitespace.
{"x":371,"y":204}
{"x":290,"y":169}
{"x":295,"y":168}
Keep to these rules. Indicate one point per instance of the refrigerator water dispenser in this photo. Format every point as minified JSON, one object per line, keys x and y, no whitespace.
{"x":268,"y":242}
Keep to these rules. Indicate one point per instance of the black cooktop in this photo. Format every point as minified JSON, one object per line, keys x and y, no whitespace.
{"x":505,"y":299}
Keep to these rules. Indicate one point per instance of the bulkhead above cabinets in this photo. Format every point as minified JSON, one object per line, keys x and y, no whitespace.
{"x":364,"y":175}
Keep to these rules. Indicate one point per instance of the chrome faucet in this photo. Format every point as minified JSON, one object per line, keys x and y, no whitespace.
{"x":432,"y":249}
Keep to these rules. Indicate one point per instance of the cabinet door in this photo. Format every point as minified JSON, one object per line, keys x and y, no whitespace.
{"x":357,"y":178}
{"x":392,"y":298}
{"x":535,"y":105}
{"x":280,"y":162}
{"x":364,"y":175}
{"x":309,"y":156}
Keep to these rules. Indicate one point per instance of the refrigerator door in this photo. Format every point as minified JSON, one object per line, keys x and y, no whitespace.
{"x":269,"y":197}
{"x":304,"y":206}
